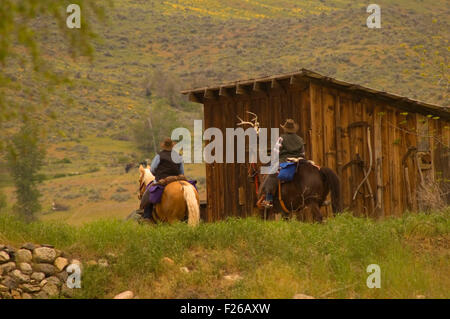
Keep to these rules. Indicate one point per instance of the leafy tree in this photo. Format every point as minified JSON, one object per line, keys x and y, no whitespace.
{"x":25,"y":156}
{"x":163,"y":84}
{"x":24,"y":28}
{"x":159,"y":123}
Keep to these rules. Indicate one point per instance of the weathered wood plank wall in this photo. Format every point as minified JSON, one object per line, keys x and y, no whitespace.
{"x":335,"y":124}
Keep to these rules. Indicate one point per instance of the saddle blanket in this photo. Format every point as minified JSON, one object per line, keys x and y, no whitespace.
{"x":156,"y":191}
{"x":287,"y":171}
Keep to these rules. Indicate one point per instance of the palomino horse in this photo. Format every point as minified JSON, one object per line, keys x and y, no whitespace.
{"x":309,"y":188}
{"x":145,"y":178}
{"x":179,"y":201}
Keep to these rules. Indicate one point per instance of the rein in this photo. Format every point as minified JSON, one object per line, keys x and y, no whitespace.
{"x":280,"y":199}
{"x":254,"y":175}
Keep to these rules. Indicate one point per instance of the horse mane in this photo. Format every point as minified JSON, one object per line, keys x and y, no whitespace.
{"x":146,"y":175}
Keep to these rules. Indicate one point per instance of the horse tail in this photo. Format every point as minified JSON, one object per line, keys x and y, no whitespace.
{"x":335,"y":187}
{"x":190,"y":196}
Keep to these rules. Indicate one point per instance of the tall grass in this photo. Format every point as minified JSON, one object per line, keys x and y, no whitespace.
{"x":274,"y":259}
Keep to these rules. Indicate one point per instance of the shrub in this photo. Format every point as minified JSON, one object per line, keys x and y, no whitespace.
{"x":95,"y":196}
{"x":120,"y":197}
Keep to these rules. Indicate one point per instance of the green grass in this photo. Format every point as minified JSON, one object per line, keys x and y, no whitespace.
{"x":275,"y":259}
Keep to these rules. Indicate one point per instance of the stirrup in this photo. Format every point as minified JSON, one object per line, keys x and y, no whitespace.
{"x":267,"y":204}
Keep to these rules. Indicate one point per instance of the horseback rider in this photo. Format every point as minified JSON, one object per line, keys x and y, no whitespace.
{"x":166,"y":163}
{"x":290,"y":146}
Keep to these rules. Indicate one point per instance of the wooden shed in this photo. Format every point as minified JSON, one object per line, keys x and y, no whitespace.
{"x":390,"y":152}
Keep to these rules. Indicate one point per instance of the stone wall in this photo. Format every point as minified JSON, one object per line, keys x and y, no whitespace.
{"x":34,"y":272}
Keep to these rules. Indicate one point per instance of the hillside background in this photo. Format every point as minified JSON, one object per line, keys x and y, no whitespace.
{"x":149,"y":50}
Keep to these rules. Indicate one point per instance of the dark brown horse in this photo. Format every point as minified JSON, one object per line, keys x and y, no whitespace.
{"x":309,"y":188}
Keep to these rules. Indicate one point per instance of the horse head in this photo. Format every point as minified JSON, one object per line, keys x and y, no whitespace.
{"x":145,"y":177}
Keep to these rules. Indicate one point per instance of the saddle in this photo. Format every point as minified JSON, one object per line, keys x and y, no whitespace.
{"x":157,"y":189}
{"x":302,"y":159}
{"x":170,"y":179}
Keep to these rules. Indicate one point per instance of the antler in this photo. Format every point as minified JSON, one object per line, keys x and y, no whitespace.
{"x":253,"y":123}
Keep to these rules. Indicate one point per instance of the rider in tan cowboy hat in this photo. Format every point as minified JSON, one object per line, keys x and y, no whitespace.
{"x":291,"y":145}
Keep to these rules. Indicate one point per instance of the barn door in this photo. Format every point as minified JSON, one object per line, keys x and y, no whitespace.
{"x":360,"y":167}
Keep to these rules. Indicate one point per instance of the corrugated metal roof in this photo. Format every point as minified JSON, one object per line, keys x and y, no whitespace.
{"x":199,"y":94}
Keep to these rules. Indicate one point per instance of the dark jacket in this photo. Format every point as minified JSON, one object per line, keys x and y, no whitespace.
{"x":291,"y":146}
{"x":166,"y":167}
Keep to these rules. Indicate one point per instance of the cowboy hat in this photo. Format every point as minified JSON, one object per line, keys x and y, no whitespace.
{"x":167,"y":144}
{"x":290,"y":126}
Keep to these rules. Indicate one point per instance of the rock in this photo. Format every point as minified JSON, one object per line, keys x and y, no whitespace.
{"x":2,"y":246}
{"x":54,"y":280}
{"x":51,"y":289}
{"x":4,"y":257}
{"x":112,"y":256}
{"x":10,"y":282}
{"x":232,"y":277}
{"x":23,"y":256}
{"x":61,"y":263}
{"x":40,"y":295}
{"x":43,"y":283}
{"x":10,"y":250}
{"x":8,"y":267}
{"x":6,"y":295}
{"x":38,"y":276}
{"x":125,"y":295}
{"x":59,"y":253}
{"x":67,"y":292}
{"x":184,"y":269}
{"x":62,"y":276}
{"x":420,"y":297}
{"x":29,"y":246}
{"x":19,"y":276}
{"x":47,"y":269}
{"x":30,"y":288}
{"x":167,"y":261}
{"x":302,"y":296}
{"x":76,"y":262}
{"x":26,"y":268}
{"x":26,"y":296}
{"x":48,"y":246}
{"x":15,"y":294}
{"x":103,"y":262}
{"x":91,"y":263}
{"x":3,"y":288}
{"x":44,"y":255}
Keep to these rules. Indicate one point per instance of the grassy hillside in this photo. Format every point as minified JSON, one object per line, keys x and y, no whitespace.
{"x":270,"y":259}
{"x":190,"y":43}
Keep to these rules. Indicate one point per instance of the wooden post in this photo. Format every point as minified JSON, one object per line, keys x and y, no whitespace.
{"x":337,"y":116}
{"x":241,"y":196}
{"x":408,"y":187}
{"x":379,"y":207}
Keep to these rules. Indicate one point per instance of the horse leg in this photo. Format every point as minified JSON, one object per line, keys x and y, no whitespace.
{"x":317,"y":214}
